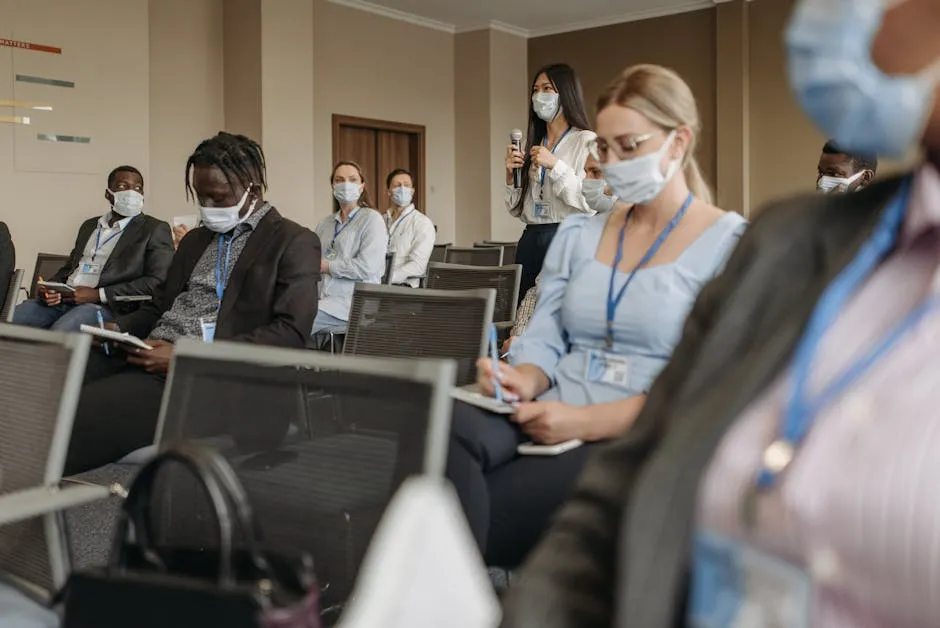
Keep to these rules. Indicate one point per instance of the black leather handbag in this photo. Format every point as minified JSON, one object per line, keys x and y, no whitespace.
{"x":149,"y":587}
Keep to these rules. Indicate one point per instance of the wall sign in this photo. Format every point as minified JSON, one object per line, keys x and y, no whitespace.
{"x":26,"y":45}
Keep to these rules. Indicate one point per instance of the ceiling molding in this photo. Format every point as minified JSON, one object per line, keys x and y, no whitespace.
{"x":495,"y":25}
{"x":511,"y":29}
{"x":635,"y":16}
{"x":395,"y":14}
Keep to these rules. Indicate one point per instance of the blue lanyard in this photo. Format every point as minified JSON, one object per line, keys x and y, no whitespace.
{"x":339,"y":228}
{"x":401,"y":219}
{"x":221,"y":274}
{"x":802,"y":408}
{"x":614,"y":302}
{"x":99,"y":243}
{"x":554,"y":148}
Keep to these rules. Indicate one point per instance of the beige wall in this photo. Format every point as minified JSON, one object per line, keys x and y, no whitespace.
{"x":50,"y":188}
{"x":508,"y":109}
{"x":472,"y":138}
{"x":374,"y":67}
{"x":186,"y":95}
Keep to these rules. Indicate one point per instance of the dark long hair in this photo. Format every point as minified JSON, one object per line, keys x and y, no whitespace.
{"x":571,"y":100}
{"x":364,"y":198}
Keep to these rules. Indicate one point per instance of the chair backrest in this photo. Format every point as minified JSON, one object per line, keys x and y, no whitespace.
{"x":47,"y":265}
{"x":504,"y":279}
{"x":406,"y":323}
{"x":474,"y":256}
{"x":40,"y":379}
{"x":9,"y":300}
{"x":389,"y":259}
{"x":440,"y":250}
{"x":320,"y":442}
{"x":509,"y":250}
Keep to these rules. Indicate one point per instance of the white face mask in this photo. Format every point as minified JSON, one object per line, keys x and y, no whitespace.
{"x":639,"y":180}
{"x":827,"y":185}
{"x":224,"y":219}
{"x":545,"y":105}
{"x":593,"y":190}
{"x":347,"y":193}
{"x":403,"y":196}
{"x":127,"y":203}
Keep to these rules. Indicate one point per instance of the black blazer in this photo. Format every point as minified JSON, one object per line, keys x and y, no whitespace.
{"x":137,"y":265}
{"x":271,"y":296}
{"x":618,"y":552}
{"x":7,"y":261}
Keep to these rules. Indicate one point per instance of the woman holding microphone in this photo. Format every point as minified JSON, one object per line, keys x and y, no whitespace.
{"x":552,"y":166}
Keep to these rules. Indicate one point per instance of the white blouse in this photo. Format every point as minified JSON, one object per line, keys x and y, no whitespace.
{"x":562,"y":184}
{"x":411,"y":242}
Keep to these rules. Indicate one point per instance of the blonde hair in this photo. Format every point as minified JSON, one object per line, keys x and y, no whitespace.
{"x":666,"y":100}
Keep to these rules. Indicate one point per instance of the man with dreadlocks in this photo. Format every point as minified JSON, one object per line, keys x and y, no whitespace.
{"x":247,"y":275}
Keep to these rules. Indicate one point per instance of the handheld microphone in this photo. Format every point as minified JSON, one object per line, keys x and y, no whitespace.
{"x":515,"y":138}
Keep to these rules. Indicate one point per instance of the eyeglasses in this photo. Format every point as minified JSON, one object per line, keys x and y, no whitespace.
{"x":623,"y":147}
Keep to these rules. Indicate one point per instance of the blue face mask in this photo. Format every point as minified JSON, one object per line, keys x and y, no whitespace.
{"x":840,"y":88}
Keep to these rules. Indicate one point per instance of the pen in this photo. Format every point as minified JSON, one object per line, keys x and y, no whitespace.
{"x":494,"y":353}
{"x":107,"y":350}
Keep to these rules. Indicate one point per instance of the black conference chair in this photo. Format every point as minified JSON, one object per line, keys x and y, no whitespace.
{"x":47,"y":265}
{"x":474,"y":256}
{"x":504,"y":279}
{"x":391,"y":321}
{"x":319,"y":480}
{"x":9,"y":300}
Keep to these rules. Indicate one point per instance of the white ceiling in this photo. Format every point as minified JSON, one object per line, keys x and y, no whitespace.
{"x":528,"y":18}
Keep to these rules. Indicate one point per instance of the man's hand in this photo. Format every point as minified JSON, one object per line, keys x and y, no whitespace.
{"x":49,"y":297}
{"x":98,"y":342}
{"x":82,"y":295}
{"x":550,"y":422}
{"x":156,"y":360}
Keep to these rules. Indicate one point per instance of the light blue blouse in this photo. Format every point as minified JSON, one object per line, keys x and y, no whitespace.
{"x":360,"y":258}
{"x":570,"y":318}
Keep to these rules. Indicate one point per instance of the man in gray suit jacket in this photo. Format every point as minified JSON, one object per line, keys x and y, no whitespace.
{"x":619,"y":552}
{"x":118,"y":258}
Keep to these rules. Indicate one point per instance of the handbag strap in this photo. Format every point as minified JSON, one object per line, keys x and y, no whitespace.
{"x":135,"y":515}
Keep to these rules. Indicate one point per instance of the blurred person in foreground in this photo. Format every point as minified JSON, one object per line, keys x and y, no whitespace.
{"x":781,"y":472}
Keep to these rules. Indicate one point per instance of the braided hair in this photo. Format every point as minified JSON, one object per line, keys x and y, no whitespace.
{"x":238,"y":157}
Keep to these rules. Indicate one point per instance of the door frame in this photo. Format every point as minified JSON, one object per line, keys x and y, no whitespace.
{"x":385,"y":125}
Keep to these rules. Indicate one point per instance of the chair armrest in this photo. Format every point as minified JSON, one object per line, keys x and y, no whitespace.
{"x":47,"y":499}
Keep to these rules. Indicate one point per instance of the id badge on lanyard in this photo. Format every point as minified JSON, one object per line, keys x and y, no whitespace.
{"x":607,"y":368}
{"x":737,"y":586}
{"x":207,"y":324}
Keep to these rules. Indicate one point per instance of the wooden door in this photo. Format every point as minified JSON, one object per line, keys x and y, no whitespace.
{"x":379,"y":147}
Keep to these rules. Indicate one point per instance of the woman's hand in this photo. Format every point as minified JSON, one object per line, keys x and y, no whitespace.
{"x":551,"y":422}
{"x":507,"y":344}
{"x":324,"y":266}
{"x":514,"y":158}
{"x":157,"y":360}
{"x":543,"y":158}
{"x":516,"y":386}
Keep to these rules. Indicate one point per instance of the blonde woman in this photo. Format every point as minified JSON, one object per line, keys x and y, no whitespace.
{"x":615,"y":291}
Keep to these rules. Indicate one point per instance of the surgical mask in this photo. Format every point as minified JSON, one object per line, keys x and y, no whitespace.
{"x":639,"y":180}
{"x":841,"y":89}
{"x":403,"y":196}
{"x":593,"y":190}
{"x":127,"y":203}
{"x":224,"y":219}
{"x":347,"y":193}
{"x":827,"y":185}
{"x":545,"y":105}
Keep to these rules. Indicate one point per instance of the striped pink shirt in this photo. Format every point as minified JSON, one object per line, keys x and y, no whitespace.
{"x":859,"y":507}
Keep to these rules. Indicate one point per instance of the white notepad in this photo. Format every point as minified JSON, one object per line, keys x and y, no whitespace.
{"x":470,"y":394}
{"x":115,"y":336}
{"x":55,"y":286}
